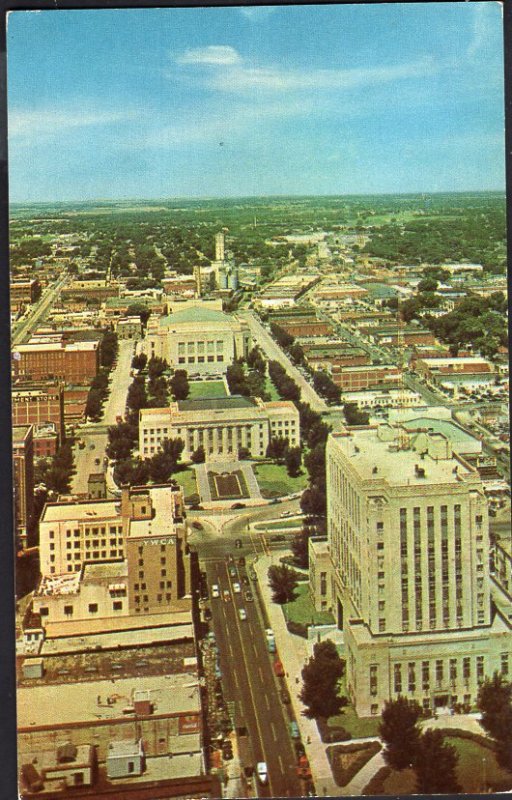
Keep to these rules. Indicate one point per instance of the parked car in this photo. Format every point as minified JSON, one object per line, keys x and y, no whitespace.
{"x":232,"y":571}
{"x":262,"y":772}
{"x":249,"y":597}
{"x":237,"y":588}
{"x":215,"y":590}
{"x":238,"y":543}
{"x":294,"y":730}
{"x":278,"y":537}
{"x":226,"y":595}
{"x":285,"y":697}
{"x":241,"y":561}
{"x":242,"y":613}
{"x":197,"y":525}
{"x":278,"y":668}
{"x":237,"y":506}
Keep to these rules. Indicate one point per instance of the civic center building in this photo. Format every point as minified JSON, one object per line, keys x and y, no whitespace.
{"x":200,"y":340}
{"x":221,"y":425}
{"x":406,"y":569}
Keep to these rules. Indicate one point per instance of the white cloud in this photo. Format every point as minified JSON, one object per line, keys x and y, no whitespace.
{"x":256,"y":13}
{"x":213,"y":55}
{"x":277,"y":79}
{"x":41,"y":122}
{"x":481,"y":28}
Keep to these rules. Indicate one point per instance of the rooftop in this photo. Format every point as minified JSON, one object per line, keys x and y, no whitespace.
{"x":195,"y":314}
{"x":375,"y":459}
{"x":87,"y":702}
{"x":216,"y":403}
{"x":87,"y":510}
{"x":454,"y":432}
{"x":19,"y":433}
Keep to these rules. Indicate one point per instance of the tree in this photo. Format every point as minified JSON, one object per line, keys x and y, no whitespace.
{"x":283,"y":582}
{"x":108,"y":348}
{"x":93,"y":404}
{"x":237,"y":382}
{"x":136,"y":397}
{"x":293,"y":461}
{"x":139,"y":310}
{"x":495,"y":703}
{"x":354,"y":416}
{"x":436,"y":765}
{"x":313,"y":502}
{"x":277,"y":448}
{"x":300,"y":546}
{"x":199,"y":455}
{"x":400,"y":733}
{"x":179,"y":384}
{"x":321,"y":676}
{"x":314,"y":462}
{"x":139,"y":361}
{"x":156,"y":367}
{"x":427,"y":285}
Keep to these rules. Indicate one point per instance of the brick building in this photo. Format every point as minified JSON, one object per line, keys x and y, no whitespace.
{"x":75,"y":362}
{"x":23,"y":293}
{"x":353,"y":379}
{"x":38,"y":404}
{"x":23,"y":477}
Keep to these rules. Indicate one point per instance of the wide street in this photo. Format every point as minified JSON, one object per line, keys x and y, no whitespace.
{"x":94,"y":434}
{"x":249,"y":684}
{"x":275,"y":353}
{"x":23,"y":329}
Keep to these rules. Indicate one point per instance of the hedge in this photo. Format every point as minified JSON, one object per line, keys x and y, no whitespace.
{"x":343,"y":775}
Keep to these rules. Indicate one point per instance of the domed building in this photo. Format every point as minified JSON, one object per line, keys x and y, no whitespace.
{"x":203,"y":341}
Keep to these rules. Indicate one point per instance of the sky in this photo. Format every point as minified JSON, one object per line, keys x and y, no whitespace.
{"x":250,"y":101}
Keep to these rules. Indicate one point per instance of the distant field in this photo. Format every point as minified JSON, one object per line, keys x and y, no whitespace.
{"x":206,"y":389}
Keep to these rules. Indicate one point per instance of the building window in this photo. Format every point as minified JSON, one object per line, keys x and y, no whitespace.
{"x":480,"y":669}
{"x":373,"y":679}
{"x":504,"y":663}
{"x":93,"y":607}
{"x":439,"y":672}
{"x":398,"y":678}
{"x":425,"y":676}
{"x":117,"y":605}
{"x":68,"y":611}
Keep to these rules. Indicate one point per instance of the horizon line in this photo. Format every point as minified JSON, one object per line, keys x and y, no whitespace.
{"x":198,"y":198}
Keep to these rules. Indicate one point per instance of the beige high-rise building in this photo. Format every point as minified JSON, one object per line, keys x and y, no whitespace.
{"x":409,"y":580}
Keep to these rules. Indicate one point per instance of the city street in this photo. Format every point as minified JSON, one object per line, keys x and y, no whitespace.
{"x":274,"y":353}
{"x":22,"y":330}
{"x":94,"y":434}
{"x":249,"y":682}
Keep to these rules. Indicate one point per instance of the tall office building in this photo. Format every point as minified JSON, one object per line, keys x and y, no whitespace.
{"x":23,"y":479}
{"x":408,"y":542}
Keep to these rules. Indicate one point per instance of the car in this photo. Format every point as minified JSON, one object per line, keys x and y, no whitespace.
{"x":299,"y":749}
{"x":91,"y":447}
{"x":245,"y":580}
{"x":215,"y":590}
{"x":237,"y":506}
{"x":253,"y":575}
{"x":226,"y":595}
{"x":278,"y":668}
{"x":197,"y":526}
{"x":285,"y":697}
{"x":196,"y":507}
{"x":232,"y":571}
{"x":278,"y":537}
{"x":262,"y":772}
{"x":237,"y":588}
{"x":294,"y":730}
{"x":249,"y":598}
{"x":242,"y":613}
{"x":97,"y":461}
{"x":207,"y":614}
{"x":238,"y":543}
{"x":241,"y":561}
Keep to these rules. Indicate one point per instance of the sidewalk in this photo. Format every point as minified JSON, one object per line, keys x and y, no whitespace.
{"x":293,"y":652}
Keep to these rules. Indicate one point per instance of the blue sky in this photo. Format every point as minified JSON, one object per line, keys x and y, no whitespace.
{"x":349,"y":99}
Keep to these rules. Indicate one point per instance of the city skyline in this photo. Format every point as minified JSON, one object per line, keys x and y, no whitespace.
{"x":263,"y":101}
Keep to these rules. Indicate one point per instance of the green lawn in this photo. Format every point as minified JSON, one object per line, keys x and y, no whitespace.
{"x":271,"y":389}
{"x":274,"y":480}
{"x":477,"y":771}
{"x":187,"y":479}
{"x":359,"y":727}
{"x":206,"y":390}
{"x":303,"y":611}
{"x":291,"y":522}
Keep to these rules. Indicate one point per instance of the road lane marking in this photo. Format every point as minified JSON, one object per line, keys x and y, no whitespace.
{"x":281,"y":763}
{"x":274,"y":733}
{"x":266,"y":702}
{"x":261,"y":674}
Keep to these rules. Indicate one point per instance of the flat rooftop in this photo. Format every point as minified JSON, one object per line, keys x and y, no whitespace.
{"x":19,"y":433}
{"x":367,"y":453}
{"x":217,"y":403}
{"x":94,"y":510}
{"x":87,"y":702}
{"x":453,"y":432}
